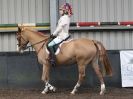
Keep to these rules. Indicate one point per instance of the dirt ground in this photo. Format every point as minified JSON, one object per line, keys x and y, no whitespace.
{"x":93,"y":93}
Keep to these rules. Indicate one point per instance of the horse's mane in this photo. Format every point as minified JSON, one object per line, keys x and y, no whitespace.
{"x":42,"y":34}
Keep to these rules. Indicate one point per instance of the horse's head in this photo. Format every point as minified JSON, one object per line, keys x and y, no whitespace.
{"x":22,"y":40}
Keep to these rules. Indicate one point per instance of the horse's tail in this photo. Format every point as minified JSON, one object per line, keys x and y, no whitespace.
{"x":103,"y":58}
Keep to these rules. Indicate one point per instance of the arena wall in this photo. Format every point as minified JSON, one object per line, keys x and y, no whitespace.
{"x":24,"y":71}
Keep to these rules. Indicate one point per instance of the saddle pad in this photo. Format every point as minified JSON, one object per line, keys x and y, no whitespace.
{"x":59,"y":46}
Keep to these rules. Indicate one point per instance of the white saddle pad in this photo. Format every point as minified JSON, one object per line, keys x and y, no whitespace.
{"x":58,"y":49}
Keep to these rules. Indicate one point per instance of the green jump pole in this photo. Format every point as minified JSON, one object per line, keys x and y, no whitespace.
{"x":42,"y":24}
{"x":8,"y":25}
{"x":16,"y":25}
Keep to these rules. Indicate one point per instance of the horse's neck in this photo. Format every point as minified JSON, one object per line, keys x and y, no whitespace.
{"x":34,"y":38}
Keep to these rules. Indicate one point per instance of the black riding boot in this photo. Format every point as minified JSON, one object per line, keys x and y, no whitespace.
{"x":52,"y":56}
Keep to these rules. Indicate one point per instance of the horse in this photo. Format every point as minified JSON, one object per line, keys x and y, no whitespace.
{"x":81,"y":51}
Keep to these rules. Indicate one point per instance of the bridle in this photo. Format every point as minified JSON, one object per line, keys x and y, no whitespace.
{"x":20,"y":44}
{"x":24,"y":45}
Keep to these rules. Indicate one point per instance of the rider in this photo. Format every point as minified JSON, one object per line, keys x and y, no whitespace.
{"x":62,"y":30}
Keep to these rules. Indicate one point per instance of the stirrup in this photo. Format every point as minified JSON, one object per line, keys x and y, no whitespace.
{"x":52,"y":62}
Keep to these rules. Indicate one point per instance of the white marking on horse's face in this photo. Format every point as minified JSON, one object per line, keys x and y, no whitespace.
{"x":17,"y":49}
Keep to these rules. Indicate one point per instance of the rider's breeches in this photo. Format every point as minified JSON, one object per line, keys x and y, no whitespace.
{"x":54,"y":41}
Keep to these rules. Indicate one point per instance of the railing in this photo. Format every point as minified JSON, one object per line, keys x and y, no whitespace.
{"x":74,"y":26}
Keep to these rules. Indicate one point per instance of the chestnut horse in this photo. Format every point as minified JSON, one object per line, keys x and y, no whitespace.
{"x":81,"y":51}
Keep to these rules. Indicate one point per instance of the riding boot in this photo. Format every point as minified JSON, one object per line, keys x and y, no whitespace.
{"x":52,"y":56}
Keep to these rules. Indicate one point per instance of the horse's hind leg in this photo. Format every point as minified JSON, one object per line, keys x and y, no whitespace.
{"x":99,"y":75}
{"x":81,"y":69}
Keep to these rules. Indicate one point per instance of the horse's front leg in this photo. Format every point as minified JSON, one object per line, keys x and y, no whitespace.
{"x":48,"y":87}
{"x":45,"y":78}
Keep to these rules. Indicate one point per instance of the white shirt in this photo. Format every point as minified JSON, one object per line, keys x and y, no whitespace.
{"x":62,"y":30}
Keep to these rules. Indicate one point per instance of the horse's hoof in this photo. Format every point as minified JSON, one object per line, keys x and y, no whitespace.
{"x":43,"y":92}
{"x":72,"y":93}
{"x":102,"y":92}
{"x":52,"y":88}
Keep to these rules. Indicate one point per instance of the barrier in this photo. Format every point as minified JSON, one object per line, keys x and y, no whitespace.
{"x":24,"y":71}
{"x":71,"y":24}
{"x":125,"y":25}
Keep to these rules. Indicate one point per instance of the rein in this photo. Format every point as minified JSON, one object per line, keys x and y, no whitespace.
{"x":37,"y":43}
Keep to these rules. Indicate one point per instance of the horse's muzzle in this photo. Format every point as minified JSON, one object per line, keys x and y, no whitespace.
{"x":19,"y":49}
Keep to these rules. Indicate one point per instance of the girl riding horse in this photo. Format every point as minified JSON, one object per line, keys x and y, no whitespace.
{"x":80,"y":51}
{"x":62,"y":31}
